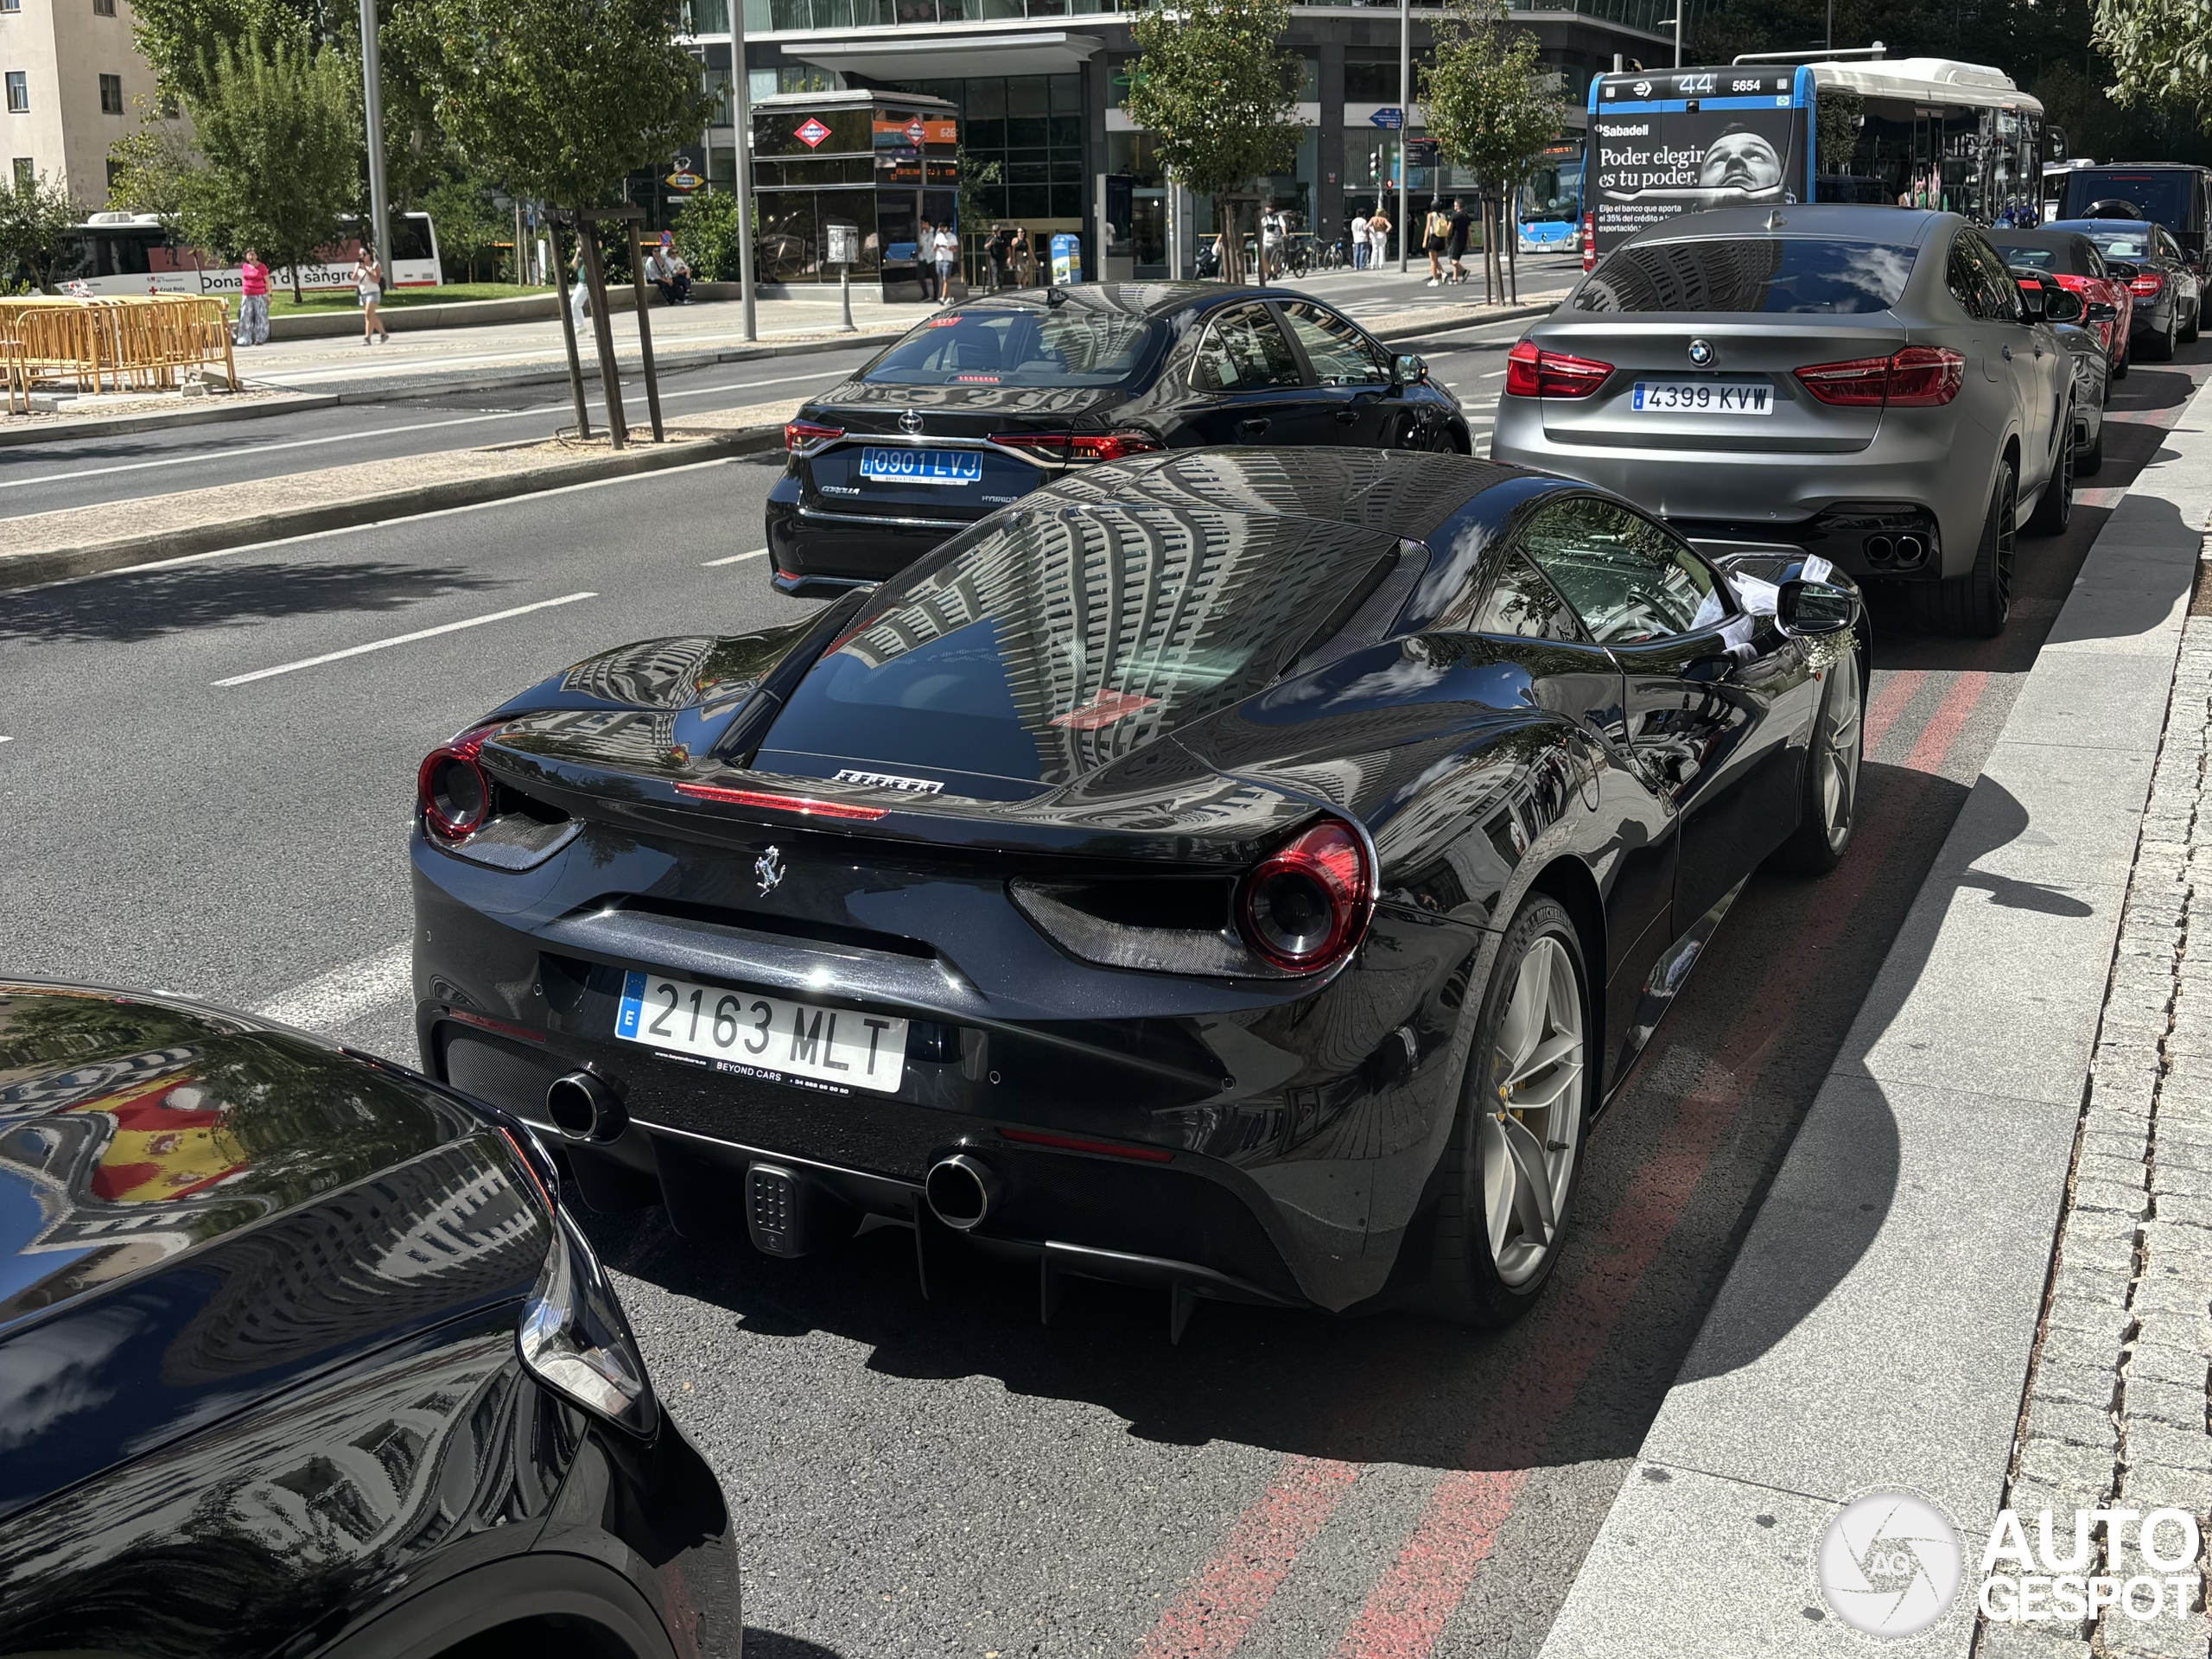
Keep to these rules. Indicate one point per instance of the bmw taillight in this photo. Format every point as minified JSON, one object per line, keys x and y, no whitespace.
{"x":1531,"y":371}
{"x":1919,"y":377}
{"x":1079,"y":446}
{"x":452,"y":790}
{"x":1305,"y":905}
{"x":804,"y":437}
{"x":2146,"y":285}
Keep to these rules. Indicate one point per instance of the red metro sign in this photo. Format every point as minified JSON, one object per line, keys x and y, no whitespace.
{"x":810,"y":133}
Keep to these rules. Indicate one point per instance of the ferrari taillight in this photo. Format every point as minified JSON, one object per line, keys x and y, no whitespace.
{"x":452,"y":790}
{"x":1531,"y":371}
{"x":1079,"y":446}
{"x":1919,"y":377}
{"x":1305,"y":905}
{"x":804,"y":437}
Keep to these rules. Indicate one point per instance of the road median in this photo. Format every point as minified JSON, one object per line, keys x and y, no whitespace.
{"x":113,"y":535}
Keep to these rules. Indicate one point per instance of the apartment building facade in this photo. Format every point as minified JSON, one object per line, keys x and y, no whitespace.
{"x":1040,"y":85}
{"x":72,"y":73}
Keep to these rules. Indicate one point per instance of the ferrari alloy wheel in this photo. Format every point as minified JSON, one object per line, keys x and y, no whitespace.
{"x":1517,"y":1146}
{"x":2055,"y":509}
{"x":1829,"y":807}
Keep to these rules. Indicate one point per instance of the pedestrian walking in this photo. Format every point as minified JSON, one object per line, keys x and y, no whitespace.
{"x":996,"y":251}
{"x":1378,"y":237}
{"x":581,"y":290}
{"x":1457,"y":225}
{"x":368,"y":288}
{"x":944,"y":253}
{"x":1025,"y":259}
{"x":1359,"y":225}
{"x":925,"y":258}
{"x":1271,"y":234}
{"x":1436,"y":231}
{"x":253,"y":300}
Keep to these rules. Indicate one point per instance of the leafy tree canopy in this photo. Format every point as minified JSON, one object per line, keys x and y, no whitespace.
{"x":34,"y":221}
{"x":2161,"y":52}
{"x":557,"y":99}
{"x":1487,"y":98}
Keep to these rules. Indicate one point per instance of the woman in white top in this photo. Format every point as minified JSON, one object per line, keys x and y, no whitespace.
{"x":368,"y":288}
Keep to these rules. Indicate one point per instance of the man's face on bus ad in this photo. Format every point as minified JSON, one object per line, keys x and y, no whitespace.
{"x":1740,"y":161}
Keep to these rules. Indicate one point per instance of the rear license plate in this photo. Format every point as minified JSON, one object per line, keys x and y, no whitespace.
{"x":922,"y":465}
{"x":1701,"y":397}
{"x":766,"y":1033}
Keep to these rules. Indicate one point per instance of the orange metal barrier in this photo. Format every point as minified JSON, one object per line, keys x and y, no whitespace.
{"x":135,"y":343}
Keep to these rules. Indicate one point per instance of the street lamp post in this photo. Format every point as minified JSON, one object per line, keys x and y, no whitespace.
{"x":1405,"y":129}
{"x":372,"y":104}
{"x":741,"y":114}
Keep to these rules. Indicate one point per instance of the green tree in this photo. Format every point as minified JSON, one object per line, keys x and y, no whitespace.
{"x":1218,"y":94}
{"x":707,"y":236}
{"x":556,"y":99}
{"x":34,"y":221}
{"x":470,"y":228}
{"x":1492,"y":105}
{"x":279,"y":129}
{"x":2161,"y":52}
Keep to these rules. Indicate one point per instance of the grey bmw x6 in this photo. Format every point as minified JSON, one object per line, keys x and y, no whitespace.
{"x":1863,"y":383}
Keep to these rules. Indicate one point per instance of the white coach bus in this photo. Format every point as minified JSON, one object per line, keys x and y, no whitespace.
{"x":133,"y":253}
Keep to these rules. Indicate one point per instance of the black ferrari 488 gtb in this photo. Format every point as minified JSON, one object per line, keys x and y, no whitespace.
{"x":1245,"y":871}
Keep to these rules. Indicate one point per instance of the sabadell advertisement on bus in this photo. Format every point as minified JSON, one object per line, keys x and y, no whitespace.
{"x":1649,"y":165}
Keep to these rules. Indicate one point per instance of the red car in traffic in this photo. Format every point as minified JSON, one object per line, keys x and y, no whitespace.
{"x":2074,"y":261}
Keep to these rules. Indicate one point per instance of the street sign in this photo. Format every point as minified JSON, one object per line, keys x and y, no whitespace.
{"x":914,"y":130}
{"x":684,"y":181}
{"x":810,"y":132}
{"x":1390,"y":120}
{"x":844,"y":243}
{"x":1420,"y":152}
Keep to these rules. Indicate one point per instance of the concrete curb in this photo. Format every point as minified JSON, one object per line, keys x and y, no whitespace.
{"x":116,"y":426}
{"x":58,"y":565}
{"x":1876,"y":1329}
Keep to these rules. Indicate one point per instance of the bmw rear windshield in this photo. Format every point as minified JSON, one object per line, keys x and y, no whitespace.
{"x":1069,"y":344}
{"x":1054,"y":644}
{"x":1803,"y":274}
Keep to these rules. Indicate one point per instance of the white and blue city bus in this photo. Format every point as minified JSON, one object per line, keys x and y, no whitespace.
{"x":1921,"y":132}
{"x":1551,"y":199}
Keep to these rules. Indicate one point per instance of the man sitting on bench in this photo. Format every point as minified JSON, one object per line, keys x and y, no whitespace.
{"x":666,"y":272}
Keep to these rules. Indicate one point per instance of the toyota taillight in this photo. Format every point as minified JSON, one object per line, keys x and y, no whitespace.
{"x":1531,"y":371}
{"x":1919,"y":377}
{"x":1305,"y":905}
{"x":804,"y":437}
{"x":452,"y":790}
{"x":2147,"y":284}
{"x":1079,"y":446}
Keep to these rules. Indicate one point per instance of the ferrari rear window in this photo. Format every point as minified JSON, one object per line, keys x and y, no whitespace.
{"x":1058,"y":642}
{"x":1750,"y":273}
{"x":1070,"y":346}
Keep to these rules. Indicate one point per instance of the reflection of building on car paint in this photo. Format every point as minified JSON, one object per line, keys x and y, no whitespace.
{"x":136,"y":253}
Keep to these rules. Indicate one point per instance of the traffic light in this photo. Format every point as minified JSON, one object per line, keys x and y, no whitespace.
{"x":1375,"y":167}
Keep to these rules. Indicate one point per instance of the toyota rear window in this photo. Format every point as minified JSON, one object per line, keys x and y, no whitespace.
{"x":1750,"y":273}
{"x":1067,"y":346}
{"x":1057,"y":643}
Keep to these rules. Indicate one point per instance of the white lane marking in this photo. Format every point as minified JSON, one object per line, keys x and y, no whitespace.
{"x":735,"y":558}
{"x":335,"y":999}
{"x":1492,"y":375}
{"x":399,"y":640}
{"x":386,"y":432}
{"x":7,"y":739}
{"x":379,"y":524}
{"x":332,"y":369}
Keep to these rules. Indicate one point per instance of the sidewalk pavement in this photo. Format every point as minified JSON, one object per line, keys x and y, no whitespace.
{"x":81,"y":541}
{"x":1984,"y":1271}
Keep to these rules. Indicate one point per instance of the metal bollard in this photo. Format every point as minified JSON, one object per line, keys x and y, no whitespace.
{"x":845,"y":300}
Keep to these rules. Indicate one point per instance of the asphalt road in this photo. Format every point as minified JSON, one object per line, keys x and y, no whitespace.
{"x":83,"y":472}
{"x":948,"y":1478}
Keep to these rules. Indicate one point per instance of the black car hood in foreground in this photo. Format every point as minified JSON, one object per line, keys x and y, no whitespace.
{"x":197,"y":1209}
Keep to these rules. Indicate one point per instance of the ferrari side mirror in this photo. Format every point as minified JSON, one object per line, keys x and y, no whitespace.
{"x":1807,"y":608}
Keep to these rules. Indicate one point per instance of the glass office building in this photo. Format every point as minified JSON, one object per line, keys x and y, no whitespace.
{"x":881,"y":165}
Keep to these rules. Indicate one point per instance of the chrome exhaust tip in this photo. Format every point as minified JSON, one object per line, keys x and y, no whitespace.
{"x":1880,"y":549}
{"x":584,"y":1108}
{"x":1910,"y":551}
{"x":961,"y":1191}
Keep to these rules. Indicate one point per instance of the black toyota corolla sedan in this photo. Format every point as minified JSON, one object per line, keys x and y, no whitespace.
{"x":1244,"y":872}
{"x":988,"y":400}
{"x":299,"y":1356}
